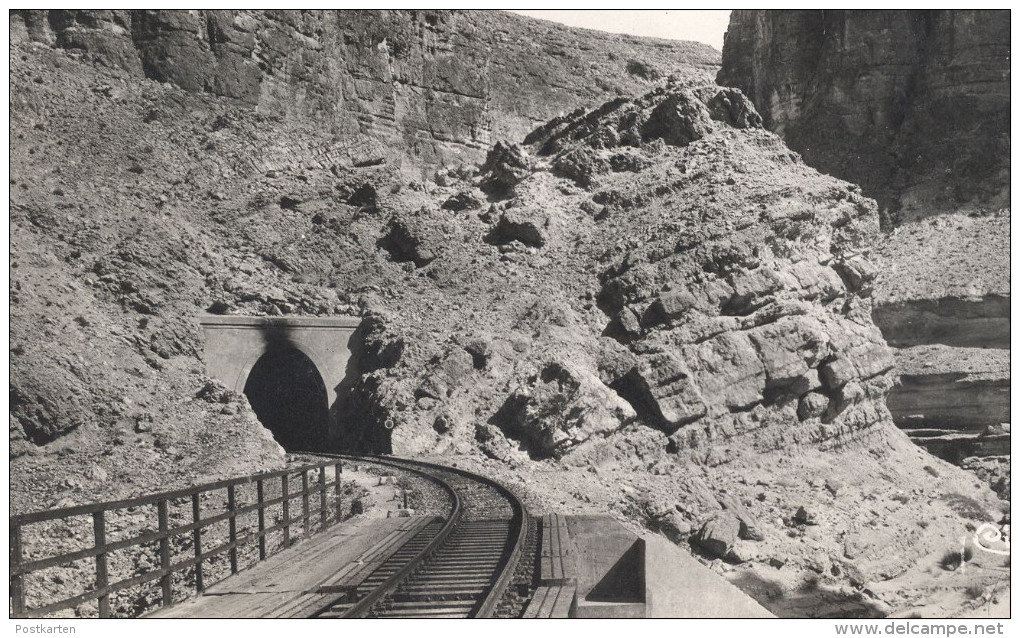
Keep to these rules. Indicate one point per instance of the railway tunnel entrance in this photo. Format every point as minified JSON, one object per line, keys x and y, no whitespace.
{"x":289,"y":397}
{"x":289,"y":368}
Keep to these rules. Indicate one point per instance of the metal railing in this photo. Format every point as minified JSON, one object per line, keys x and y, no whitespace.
{"x":164,"y":534}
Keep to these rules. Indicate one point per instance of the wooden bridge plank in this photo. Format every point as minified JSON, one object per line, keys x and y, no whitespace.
{"x":314,"y":599}
{"x":286,"y":581}
{"x":556,"y":561}
{"x":564,"y":600}
{"x":536,"y":602}
{"x":551,"y":601}
{"x":353,"y":574}
{"x":556,"y":541}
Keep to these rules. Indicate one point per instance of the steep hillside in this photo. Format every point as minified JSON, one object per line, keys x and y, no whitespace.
{"x":651,"y":309}
{"x":437,"y":87}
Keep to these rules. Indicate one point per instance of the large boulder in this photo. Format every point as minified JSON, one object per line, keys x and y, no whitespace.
{"x":718,"y":535}
{"x":528,"y":227}
{"x":560,"y":407}
{"x":750,"y":528}
{"x":583,"y":165}
{"x":790,"y":350}
{"x":678,"y":120}
{"x":734,"y":108}
{"x":663,"y":382}
{"x":35,"y":408}
{"x":416,"y":237}
{"x":505,"y":166}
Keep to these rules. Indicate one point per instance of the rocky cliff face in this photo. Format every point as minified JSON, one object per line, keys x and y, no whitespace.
{"x":911,"y":105}
{"x":437,"y":87}
{"x":204,"y":103}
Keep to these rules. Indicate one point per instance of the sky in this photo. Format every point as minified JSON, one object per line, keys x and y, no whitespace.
{"x":701,"y":26}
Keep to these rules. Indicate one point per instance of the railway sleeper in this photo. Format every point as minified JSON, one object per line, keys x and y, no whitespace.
{"x":464,"y":571}
{"x":430,"y":611}
{"x":442,"y":578}
{"x":483,"y":557}
{"x":423,"y":604}
{"x":427,"y":614}
{"x":438,"y":596}
{"x":466,"y":561}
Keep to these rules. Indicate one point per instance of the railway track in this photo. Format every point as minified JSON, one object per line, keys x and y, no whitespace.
{"x":457,"y":566}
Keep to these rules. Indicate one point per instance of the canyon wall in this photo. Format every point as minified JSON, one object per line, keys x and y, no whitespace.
{"x":437,"y":87}
{"x":911,"y":105}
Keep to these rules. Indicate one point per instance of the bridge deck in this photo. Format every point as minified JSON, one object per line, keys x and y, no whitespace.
{"x":286,"y":584}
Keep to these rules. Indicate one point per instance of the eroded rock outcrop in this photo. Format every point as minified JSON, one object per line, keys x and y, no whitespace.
{"x":731,"y":322}
{"x":729,"y":318}
{"x":689,"y":337}
{"x":699,"y":307}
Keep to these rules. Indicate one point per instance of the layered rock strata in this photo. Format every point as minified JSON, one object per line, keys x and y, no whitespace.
{"x":435,"y":87}
{"x":942,"y":297}
{"x":661,"y":293}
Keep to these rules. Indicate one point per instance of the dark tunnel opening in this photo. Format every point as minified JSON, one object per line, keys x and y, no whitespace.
{"x":289,"y":397}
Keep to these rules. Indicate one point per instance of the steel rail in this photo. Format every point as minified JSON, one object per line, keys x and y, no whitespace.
{"x":519,"y":524}
{"x":363,"y":606}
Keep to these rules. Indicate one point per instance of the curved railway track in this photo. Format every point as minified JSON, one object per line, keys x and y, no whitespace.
{"x":457,"y":566}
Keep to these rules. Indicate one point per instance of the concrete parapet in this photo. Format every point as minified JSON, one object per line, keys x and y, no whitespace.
{"x":619,"y":574}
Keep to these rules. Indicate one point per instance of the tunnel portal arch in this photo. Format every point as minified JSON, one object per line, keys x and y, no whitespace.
{"x":235,"y":345}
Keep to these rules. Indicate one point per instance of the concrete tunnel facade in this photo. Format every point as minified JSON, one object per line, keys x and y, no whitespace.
{"x":234,"y":345}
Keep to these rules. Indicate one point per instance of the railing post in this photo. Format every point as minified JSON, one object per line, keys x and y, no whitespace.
{"x":284,"y":480}
{"x":307,"y":515}
{"x":196,"y":515}
{"x":260,"y":494}
{"x":102,"y":576}
{"x":232,"y":523}
{"x":164,"y":552}
{"x":17,"y":578}
{"x":337,"y":469}
{"x":322,"y":496}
